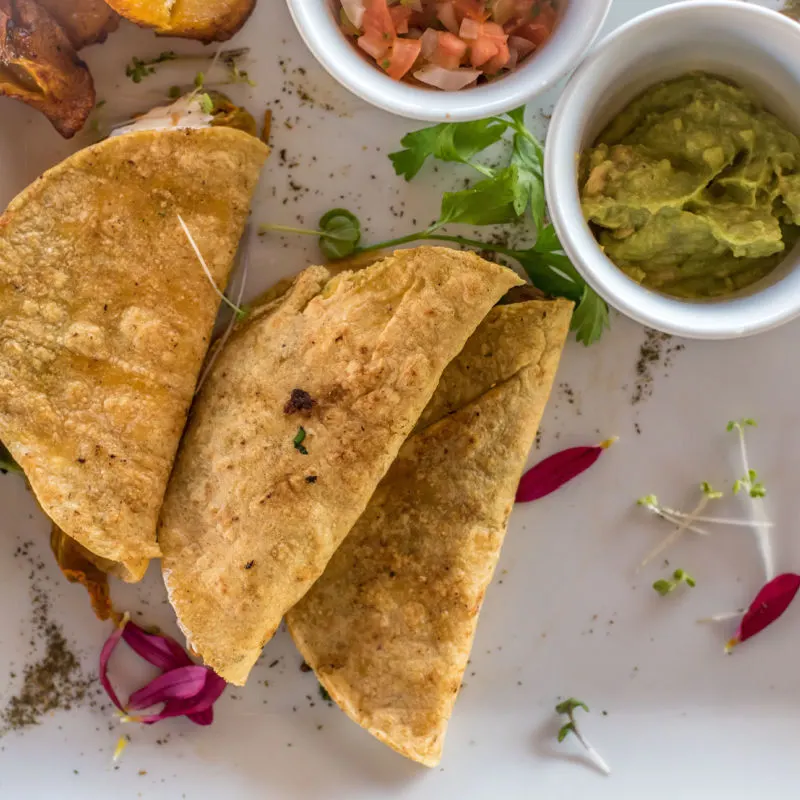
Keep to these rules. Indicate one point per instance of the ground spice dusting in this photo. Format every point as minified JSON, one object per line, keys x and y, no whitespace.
{"x":55,"y":680}
{"x":657,"y":349}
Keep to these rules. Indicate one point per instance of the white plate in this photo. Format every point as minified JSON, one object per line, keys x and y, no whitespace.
{"x":567,"y":613}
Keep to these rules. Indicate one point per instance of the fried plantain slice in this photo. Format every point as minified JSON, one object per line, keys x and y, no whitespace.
{"x":206,"y":20}
{"x":84,"y":21}
{"x":39,"y":66}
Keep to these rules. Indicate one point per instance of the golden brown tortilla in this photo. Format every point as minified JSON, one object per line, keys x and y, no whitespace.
{"x":105,"y":317}
{"x":251,"y":519}
{"x":389,"y":626}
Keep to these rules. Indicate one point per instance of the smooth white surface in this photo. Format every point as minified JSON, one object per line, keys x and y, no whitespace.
{"x":684,"y":721}
{"x":578,"y":28}
{"x":754,"y":46}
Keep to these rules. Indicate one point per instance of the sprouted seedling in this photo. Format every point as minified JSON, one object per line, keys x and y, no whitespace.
{"x":684,"y":522}
{"x":756,"y":491}
{"x":569,"y":707}
{"x":666,"y":586}
{"x":240,"y":312}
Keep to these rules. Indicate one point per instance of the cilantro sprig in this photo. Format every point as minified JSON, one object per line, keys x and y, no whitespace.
{"x":666,"y":586}
{"x":504,"y":195}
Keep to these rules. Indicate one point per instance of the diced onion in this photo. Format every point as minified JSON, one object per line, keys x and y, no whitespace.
{"x":449,"y":80}
{"x":355,"y":10}
{"x":470,"y":28}
{"x":373,"y":48}
{"x":446,"y":14}
{"x":524,"y":47}
{"x":430,"y":41}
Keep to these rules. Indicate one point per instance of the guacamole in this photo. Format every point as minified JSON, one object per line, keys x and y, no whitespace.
{"x":694,"y":189}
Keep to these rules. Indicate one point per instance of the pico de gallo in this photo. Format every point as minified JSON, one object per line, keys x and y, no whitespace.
{"x":448,"y":44}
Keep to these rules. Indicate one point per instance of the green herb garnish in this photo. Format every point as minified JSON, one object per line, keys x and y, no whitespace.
{"x":505,"y":195}
{"x":324,"y":694}
{"x":569,"y":707}
{"x":139,"y":68}
{"x":667,"y":585}
{"x":299,"y":439}
{"x":206,"y":103}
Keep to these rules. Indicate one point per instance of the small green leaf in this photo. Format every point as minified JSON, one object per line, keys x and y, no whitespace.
{"x":206,"y":103}
{"x":299,"y":439}
{"x":749,"y":422}
{"x":664,"y":587}
{"x":174,"y":92}
{"x":488,"y":202}
{"x":647,"y":500}
{"x":758,"y":490}
{"x":730,"y":426}
{"x":570,"y":705}
{"x":324,"y":694}
{"x":590,"y":318}
{"x":340,"y":233}
{"x":709,"y":491}
{"x":527,"y":158}
{"x":565,"y":731}
{"x":690,"y":581}
{"x":737,"y":487}
{"x":547,"y":241}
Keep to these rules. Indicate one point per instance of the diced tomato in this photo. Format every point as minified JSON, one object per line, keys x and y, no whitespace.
{"x":378,"y":21}
{"x":449,"y":51}
{"x":470,"y":28}
{"x":400,"y":18}
{"x":374,"y":45}
{"x":474,"y":9}
{"x":495,"y":32}
{"x":497,"y":63}
{"x":536,"y":33}
{"x":404,"y":53}
{"x":446,"y":13}
{"x":545,"y":15}
{"x":482,"y":50}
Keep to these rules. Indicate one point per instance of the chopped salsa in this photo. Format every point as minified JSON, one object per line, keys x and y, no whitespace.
{"x":448,"y":44}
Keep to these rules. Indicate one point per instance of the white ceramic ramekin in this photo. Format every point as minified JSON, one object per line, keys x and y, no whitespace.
{"x":579,"y":26}
{"x":755,"y":47}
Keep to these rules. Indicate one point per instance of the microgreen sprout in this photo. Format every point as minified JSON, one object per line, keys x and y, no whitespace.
{"x":754,"y":488}
{"x":298,"y":441}
{"x":240,"y":312}
{"x":206,"y":103}
{"x":569,"y":707}
{"x":139,"y":68}
{"x":667,"y":585}
{"x":684,"y":522}
{"x":7,"y":463}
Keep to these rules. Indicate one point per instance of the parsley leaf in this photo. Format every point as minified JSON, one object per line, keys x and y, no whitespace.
{"x":448,"y":141}
{"x":488,"y":202}
{"x":590,"y":318}
{"x":528,"y":158}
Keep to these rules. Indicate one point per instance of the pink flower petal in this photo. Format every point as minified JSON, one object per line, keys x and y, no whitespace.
{"x":184,"y":688}
{"x":161,"y":651}
{"x":552,"y":473}
{"x":182,"y":683}
{"x":105,"y":657}
{"x":770,"y":604}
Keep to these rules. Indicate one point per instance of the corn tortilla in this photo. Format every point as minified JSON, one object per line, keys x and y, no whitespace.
{"x":254,"y":511}
{"x":389,"y":626}
{"x":105,"y":318}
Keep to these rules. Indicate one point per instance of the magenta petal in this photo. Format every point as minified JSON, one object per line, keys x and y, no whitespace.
{"x":202,"y":717}
{"x":770,"y":604}
{"x":182,"y":683}
{"x":555,"y":471}
{"x":105,"y":657}
{"x":161,"y":651}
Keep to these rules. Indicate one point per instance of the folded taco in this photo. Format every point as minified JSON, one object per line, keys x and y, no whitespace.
{"x":389,"y":626}
{"x":106,"y":315}
{"x":302,"y":414}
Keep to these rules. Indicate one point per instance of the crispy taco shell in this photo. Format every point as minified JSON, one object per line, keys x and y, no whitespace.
{"x":389,"y":626}
{"x":254,"y":511}
{"x":105,"y":318}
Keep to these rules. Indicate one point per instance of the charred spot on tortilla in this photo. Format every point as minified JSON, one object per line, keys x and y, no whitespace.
{"x":311,"y":478}
{"x":250,"y":565}
{"x":299,"y":401}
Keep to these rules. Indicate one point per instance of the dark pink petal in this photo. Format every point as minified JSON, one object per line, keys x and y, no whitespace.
{"x":770,"y":604}
{"x":183,"y":683}
{"x":558,"y":469}
{"x":196,"y":706}
{"x":161,"y":651}
{"x":105,"y":657}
